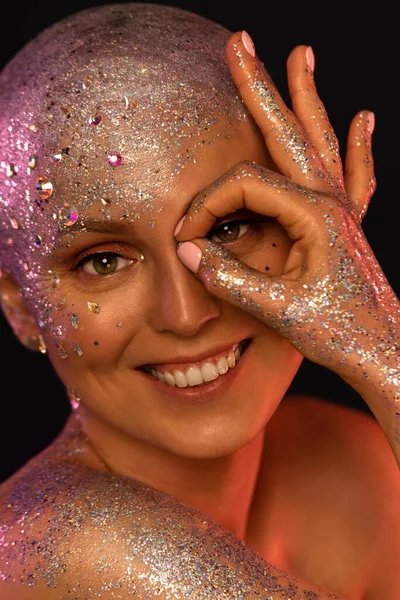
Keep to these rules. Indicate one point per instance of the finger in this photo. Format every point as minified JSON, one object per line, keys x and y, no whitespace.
{"x":286,"y":140}
{"x":226,"y":277}
{"x":257,"y":189}
{"x":311,"y":112}
{"x":359,"y":177}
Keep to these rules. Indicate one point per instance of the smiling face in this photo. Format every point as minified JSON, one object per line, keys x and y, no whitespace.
{"x":104,"y":158}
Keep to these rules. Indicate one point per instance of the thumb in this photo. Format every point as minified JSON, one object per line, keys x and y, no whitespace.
{"x":226,"y":277}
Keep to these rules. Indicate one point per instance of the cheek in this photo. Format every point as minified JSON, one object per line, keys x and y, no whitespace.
{"x":91,"y":333}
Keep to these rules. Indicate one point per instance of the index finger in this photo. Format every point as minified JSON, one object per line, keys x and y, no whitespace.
{"x":287,"y":142}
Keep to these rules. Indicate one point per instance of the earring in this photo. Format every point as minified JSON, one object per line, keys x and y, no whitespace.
{"x":35,"y":343}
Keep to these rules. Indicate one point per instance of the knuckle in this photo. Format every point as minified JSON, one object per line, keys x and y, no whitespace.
{"x":247,"y":168}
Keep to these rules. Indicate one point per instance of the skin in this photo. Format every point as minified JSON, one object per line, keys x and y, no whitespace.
{"x":216,"y":446}
{"x":207,"y":455}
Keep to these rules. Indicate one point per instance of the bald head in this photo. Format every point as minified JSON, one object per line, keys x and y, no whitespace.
{"x":100,"y":96}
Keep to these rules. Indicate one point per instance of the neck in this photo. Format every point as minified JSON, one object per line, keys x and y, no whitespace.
{"x":222,"y":487}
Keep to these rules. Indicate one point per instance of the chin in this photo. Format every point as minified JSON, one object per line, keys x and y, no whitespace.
{"x":220,"y":438}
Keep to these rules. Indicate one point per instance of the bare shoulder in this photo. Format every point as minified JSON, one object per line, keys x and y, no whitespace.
{"x":352,"y":438}
{"x":346,"y":480}
{"x":70,"y":531}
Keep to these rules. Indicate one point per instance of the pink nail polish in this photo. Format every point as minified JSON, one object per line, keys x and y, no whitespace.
{"x":310,"y":58}
{"x":371,"y":122}
{"x":190,"y":255}
{"x":248,"y":43}
{"x":179,"y":226}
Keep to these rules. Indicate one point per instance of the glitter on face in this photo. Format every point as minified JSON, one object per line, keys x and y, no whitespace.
{"x":55,"y":281}
{"x":59,"y":305}
{"x":33,"y":128}
{"x":74,"y":321}
{"x":95,"y":120}
{"x":44,"y":188}
{"x":114,"y":159}
{"x":68,"y":214}
{"x":14,"y":223}
{"x":94,"y":307}
{"x":62,"y":351}
{"x":57,"y":157}
{"x":77,"y":349}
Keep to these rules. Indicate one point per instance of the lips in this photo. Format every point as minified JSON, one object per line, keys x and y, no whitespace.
{"x":197,"y":360}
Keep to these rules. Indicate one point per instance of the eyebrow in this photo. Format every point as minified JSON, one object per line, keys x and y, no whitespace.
{"x":96,"y":226}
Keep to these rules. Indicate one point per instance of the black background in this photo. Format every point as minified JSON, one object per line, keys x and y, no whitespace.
{"x":355,"y":69}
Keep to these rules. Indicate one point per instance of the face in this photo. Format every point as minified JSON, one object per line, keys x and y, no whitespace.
{"x":121,"y":299}
{"x":113,"y":164}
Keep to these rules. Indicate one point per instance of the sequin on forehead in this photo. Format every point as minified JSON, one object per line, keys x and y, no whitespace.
{"x":95,"y":120}
{"x":32,"y":161}
{"x":68,"y":214}
{"x":114,"y":159}
{"x":11,"y":170}
{"x":44,"y":188}
{"x":37,"y":242}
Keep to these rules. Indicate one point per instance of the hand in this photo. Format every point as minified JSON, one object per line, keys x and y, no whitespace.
{"x":332,"y":289}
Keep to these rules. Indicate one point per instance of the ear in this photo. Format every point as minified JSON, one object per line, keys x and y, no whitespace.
{"x":18,"y":315}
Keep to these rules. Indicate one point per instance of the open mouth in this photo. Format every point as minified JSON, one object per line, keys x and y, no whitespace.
{"x":202,"y":373}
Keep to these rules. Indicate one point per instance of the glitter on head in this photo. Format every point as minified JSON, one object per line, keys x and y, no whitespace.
{"x":77,"y":100}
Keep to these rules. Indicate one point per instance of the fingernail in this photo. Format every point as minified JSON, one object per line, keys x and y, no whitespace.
{"x":179,"y":226}
{"x":371,"y":122}
{"x":248,"y":43}
{"x":310,"y":58}
{"x":190,"y":255}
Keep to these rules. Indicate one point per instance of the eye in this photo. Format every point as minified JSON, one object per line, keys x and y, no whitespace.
{"x":103,"y":263}
{"x":231,"y":230}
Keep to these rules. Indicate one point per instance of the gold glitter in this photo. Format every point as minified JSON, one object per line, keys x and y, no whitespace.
{"x":94,"y":307}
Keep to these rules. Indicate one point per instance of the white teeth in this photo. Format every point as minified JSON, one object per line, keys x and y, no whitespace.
{"x":169,"y":378}
{"x":230,"y":359}
{"x":180,"y":379}
{"x":222,"y":366}
{"x":198,"y":376}
{"x":194,"y":376}
{"x":209,"y":372}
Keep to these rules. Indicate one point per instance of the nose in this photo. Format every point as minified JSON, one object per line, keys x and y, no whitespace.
{"x":182,"y":304}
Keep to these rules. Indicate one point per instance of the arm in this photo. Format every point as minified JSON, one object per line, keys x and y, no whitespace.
{"x":100,"y":535}
{"x":376,"y":376}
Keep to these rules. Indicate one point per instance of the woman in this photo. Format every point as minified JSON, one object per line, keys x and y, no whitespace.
{"x":180,"y":472}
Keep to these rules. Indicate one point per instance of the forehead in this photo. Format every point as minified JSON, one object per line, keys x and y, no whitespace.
{"x":113,"y":130}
